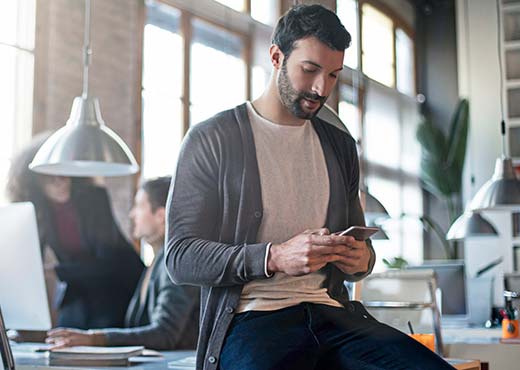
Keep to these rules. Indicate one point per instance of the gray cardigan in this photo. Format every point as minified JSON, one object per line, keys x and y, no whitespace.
{"x":215,"y":210}
{"x":166,"y":320}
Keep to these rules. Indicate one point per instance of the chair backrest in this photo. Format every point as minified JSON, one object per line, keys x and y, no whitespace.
{"x":396,"y":297}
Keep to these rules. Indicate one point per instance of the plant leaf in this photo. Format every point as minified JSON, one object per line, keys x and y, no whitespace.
{"x":457,"y":144}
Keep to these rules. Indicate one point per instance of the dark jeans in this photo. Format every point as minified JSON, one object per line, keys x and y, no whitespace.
{"x":318,"y":337}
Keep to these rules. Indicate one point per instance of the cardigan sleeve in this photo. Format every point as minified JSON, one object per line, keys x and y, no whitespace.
{"x":194,"y":212}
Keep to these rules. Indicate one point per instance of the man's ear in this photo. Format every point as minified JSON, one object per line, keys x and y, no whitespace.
{"x":276,"y":56}
{"x":160,"y":214}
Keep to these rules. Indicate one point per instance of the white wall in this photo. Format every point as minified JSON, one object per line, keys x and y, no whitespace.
{"x":478,"y":72}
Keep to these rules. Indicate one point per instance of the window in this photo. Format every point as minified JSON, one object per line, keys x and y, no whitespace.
{"x":217,"y":70}
{"x":265,"y":11}
{"x":376,"y":102}
{"x":348,"y":14}
{"x":405,"y":67}
{"x":162,"y":125}
{"x":173,"y":37}
{"x":348,"y":110}
{"x":17,"y":30}
{"x":377,"y":45}
{"x":392,"y":162}
{"x":238,"y":5}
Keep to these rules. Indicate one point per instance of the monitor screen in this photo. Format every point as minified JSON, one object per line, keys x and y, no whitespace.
{"x":451,"y":280}
{"x":23,"y":296}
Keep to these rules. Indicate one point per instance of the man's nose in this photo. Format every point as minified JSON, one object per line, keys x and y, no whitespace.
{"x":320,"y":86}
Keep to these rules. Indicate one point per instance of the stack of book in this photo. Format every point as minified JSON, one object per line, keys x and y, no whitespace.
{"x":93,"y":356}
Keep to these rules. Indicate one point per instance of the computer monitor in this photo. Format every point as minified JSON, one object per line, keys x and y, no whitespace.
{"x":451,"y":279}
{"x":23,"y":296}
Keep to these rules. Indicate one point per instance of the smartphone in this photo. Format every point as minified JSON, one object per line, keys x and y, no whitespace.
{"x":360,"y":233}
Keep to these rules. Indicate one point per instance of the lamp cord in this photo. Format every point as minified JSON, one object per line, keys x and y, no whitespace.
{"x":468,"y":61}
{"x":501,"y":78}
{"x":87,"y":51}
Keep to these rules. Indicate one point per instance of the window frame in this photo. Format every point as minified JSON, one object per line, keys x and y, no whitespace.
{"x":368,"y":168}
{"x":398,"y":22}
{"x":23,"y":126}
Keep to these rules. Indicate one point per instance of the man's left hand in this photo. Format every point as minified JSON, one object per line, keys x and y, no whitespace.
{"x":354,"y":258}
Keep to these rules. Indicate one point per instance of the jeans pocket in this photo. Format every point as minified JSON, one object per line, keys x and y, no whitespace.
{"x":360,"y":309}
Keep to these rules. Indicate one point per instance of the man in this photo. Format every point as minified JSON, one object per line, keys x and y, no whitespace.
{"x":249,"y":181}
{"x":160,"y":315}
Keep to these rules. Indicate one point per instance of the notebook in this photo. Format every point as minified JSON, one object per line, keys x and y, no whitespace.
{"x":93,"y":356}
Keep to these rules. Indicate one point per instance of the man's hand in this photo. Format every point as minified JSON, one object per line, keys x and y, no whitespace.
{"x":355,"y":258}
{"x":63,"y":337}
{"x":311,"y":250}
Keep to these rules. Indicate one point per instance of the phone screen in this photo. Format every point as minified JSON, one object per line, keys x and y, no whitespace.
{"x":360,"y":233}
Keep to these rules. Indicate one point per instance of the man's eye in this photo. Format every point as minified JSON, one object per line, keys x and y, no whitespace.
{"x":333,"y":75}
{"x":306,"y":70}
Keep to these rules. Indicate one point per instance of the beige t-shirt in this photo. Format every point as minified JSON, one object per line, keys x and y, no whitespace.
{"x":295,"y":197}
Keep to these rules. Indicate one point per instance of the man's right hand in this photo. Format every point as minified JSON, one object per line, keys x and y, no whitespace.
{"x":306,"y":252}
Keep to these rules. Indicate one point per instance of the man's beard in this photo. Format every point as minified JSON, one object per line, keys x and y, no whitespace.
{"x":292,"y":99}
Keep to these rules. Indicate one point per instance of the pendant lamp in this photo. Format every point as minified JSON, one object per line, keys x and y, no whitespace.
{"x":85,"y":146}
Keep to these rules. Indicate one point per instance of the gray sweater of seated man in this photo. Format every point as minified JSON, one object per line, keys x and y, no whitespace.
{"x":295,"y":195}
{"x":165,"y":318}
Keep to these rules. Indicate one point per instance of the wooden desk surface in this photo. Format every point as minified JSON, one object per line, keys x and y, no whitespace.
{"x":464,"y":364}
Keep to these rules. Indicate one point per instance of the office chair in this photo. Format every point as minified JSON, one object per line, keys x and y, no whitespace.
{"x":396,"y":297}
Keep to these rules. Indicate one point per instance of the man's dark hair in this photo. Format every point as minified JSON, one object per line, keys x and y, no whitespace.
{"x":157,"y":191}
{"x":315,"y":20}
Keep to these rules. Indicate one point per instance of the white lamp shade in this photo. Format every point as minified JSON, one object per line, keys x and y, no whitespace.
{"x":85,"y":147}
{"x":501,"y":192}
{"x":471,"y":225}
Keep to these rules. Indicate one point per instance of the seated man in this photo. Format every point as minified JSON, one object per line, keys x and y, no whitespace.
{"x":160,"y":315}
{"x":248,"y":182}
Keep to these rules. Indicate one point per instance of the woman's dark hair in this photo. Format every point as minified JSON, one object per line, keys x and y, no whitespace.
{"x":23,"y":184}
{"x":157,"y":191}
{"x":315,"y":20}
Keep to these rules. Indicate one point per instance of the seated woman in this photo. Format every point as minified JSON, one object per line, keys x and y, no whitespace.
{"x":97,"y":267}
{"x":161,"y":315}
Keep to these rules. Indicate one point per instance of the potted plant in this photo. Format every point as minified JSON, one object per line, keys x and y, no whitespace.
{"x":442,"y":164}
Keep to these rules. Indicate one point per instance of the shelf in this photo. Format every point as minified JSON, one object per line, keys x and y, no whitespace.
{"x":513,"y":122}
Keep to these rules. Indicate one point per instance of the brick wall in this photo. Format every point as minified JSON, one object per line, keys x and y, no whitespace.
{"x":115,"y":73}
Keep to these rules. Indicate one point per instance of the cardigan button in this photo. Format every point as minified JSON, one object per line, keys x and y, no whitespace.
{"x":229,"y":309}
{"x":212,"y":359}
{"x":258,"y":214}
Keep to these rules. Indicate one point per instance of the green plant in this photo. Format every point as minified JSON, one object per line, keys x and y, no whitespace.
{"x":396,"y":263}
{"x":442,"y":164}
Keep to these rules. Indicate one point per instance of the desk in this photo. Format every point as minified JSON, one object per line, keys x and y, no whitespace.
{"x":27,"y":359}
{"x":483,"y":344}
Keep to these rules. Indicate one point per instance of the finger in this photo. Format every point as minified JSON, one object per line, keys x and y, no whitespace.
{"x":335,"y":239}
{"x":324,"y":249}
{"x":58,"y":332}
{"x":321,"y":231}
{"x":60,"y":344}
{"x":54,"y":330}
